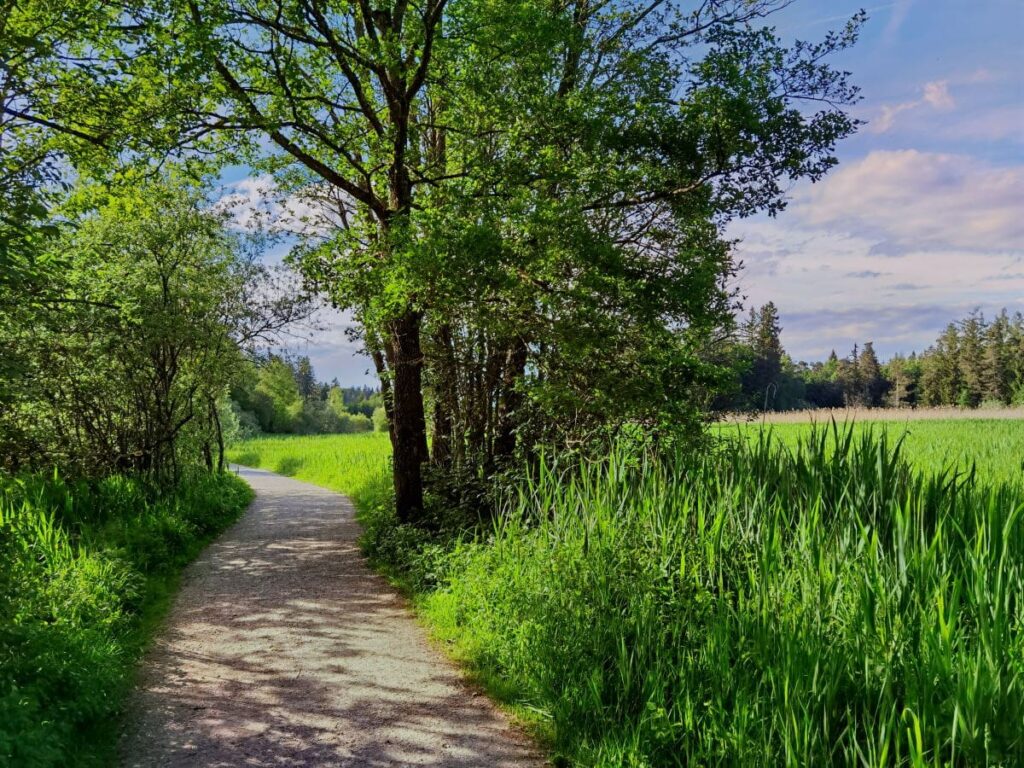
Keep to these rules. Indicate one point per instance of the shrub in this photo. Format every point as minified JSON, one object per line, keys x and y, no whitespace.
{"x":85,"y":564}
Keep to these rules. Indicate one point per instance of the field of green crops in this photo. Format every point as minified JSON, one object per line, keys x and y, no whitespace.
{"x":798,"y":597}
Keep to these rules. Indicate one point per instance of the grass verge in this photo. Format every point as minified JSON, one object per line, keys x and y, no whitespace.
{"x":818,"y":600}
{"x":89,"y":570}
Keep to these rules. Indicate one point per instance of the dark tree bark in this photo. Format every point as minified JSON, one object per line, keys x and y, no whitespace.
{"x":410,"y":426}
{"x":510,"y":401}
{"x":445,"y":382}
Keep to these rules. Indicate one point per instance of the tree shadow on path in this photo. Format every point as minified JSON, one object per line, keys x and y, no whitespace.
{"x":283,"y":648}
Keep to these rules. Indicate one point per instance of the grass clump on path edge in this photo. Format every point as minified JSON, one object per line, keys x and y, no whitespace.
{"x":814,"y":603}
{"x":88,"y":572}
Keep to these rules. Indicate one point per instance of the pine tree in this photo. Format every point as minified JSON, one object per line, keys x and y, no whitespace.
{"x":941,"y":378}
{"x":996,"y":366}
{"x":305,"y":378}
{"x":760,"y":335}
{"x":849,"y":379}
{"x":872,"y":383}
{"x":749,"y":328}
{"x":1015,"y":346}
{"x":971,"y":359}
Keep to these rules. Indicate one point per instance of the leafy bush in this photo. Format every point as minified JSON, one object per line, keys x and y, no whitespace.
{"x":85,"y":565}
{"x":351,"y":423}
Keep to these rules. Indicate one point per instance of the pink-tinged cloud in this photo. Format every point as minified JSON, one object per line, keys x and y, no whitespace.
{"x":935,"y":96}
{"x":915,"y":200}
{"x":989,"y":125}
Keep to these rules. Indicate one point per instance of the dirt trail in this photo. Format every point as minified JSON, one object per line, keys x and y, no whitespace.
{"x":284,"y":649}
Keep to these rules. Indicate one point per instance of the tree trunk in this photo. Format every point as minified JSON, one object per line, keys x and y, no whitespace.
{"x":385,"y":387}
{"x":445,"y":397}
{"x":410,"y":429}
{"x":511,"y":400}
{"x":219,"y":431}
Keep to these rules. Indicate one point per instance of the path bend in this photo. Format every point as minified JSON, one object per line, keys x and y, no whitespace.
{"x":283,"y":648}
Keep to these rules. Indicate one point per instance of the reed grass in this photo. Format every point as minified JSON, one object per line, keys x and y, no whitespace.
{"x":993,"y":448}
{"x":840,"y":595}
{"x":862,"y":415}
{"x":821,"y":604}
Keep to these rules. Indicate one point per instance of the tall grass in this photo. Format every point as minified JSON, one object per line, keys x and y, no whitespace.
{"x":861,"y":415}
{"x":826,"y":596}
{"x":824,"y":604}
{"x":355,"y":464}
{"x":994,"y":448}
{"x":86,"y":571}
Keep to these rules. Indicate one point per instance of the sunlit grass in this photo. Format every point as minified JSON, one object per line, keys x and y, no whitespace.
{"x":796,"y":597}
{"x":88,"y":569}
{"x":357,"y":465}
{"x":994,"y":446}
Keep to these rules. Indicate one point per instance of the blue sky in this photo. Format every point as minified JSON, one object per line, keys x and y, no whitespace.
{"x":922,"y":221}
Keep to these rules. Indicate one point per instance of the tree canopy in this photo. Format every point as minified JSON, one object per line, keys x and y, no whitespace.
{"x":522,"y":202}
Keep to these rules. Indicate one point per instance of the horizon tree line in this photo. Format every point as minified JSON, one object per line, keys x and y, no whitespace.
{"x":973,"y":362}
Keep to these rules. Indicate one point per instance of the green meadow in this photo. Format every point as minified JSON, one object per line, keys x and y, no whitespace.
{"x":994,"y":447}
{"x":794,"y":596}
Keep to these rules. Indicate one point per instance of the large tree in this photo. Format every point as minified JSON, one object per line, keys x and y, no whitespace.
{"x":517,"y":196}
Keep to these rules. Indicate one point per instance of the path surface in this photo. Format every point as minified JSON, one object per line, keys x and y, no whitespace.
{"x":284,"y":649}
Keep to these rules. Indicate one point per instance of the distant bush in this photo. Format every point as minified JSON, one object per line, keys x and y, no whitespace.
{"x":380,"y":419}
{"x":83,"y":563}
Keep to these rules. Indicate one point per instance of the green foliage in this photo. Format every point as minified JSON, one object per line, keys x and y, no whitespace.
{"x":277,"y":386}
{"x":380,"y":419}
{"x":764,"y":606}
{"x":277,"y":395}
{"x":801,"y":597}
{"x":86,"y":569}
{"x":122,"y":367}
{"x":972,"y":362}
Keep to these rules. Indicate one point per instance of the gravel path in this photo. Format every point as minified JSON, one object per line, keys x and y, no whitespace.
{"x":284,"y":649}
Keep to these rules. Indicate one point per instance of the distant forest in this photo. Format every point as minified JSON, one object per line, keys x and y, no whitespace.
{"x":973,"y":363}
{"x":281,"y":395}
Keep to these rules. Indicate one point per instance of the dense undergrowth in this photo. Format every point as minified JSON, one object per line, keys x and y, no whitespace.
{"x":88,"y":568}
{"x":807,"y":602}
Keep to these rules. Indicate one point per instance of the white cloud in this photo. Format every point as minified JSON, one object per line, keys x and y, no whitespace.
{"x":900,"y":12}
{"x":256,"y":203}
{"x":906,"y":199}
{"x":889,"y":248}
{"x":249,"y":203}
{"x":935,"y":95}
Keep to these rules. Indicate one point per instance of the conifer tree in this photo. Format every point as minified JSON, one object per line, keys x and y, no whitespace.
{"x":872,"y":383}
{"x":971,"y":360}
{"x":996,"y":385}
